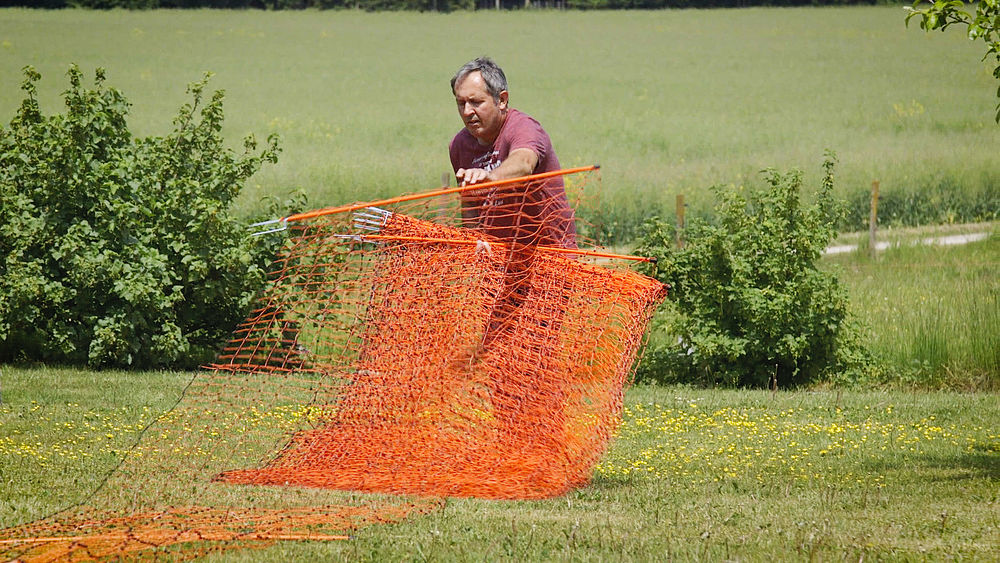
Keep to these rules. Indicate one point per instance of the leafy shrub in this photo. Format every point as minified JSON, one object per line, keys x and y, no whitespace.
{"x":749,"y":305}
{"x":119,"y":251}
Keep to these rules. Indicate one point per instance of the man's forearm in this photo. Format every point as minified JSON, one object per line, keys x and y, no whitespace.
{"x":520,"y":162}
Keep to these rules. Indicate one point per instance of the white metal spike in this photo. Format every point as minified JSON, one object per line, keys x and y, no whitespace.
{"x":283,"y":226}
{"x":371,"y":218}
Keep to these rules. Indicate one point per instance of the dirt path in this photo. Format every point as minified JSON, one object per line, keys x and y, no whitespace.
{"x":946,"y":240}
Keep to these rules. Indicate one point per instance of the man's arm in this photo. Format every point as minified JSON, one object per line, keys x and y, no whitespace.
{"x":520,"y":162}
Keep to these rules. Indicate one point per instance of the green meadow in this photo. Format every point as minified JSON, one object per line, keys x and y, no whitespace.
{"x":667,"y":102}
{"x":903,"y":467}
{"x":693,"y":475}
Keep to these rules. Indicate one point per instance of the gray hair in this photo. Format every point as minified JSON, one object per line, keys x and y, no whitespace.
{"x":492,"y":74}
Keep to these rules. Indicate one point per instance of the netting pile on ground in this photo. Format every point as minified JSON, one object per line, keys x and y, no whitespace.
{"x":394,"y":351}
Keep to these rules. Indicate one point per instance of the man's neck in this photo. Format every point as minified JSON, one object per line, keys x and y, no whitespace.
{"x":503,"y":122}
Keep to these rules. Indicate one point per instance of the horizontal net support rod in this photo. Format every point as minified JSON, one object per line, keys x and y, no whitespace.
{"x":434,"y":193}
{"x":555,"y":249}
{"x":204,"y":536}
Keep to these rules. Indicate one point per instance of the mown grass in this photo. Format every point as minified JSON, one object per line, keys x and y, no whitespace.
{"x":693,"y":475}
{"x":666,"y":101}
{"x":62,"y":430}
{"x":931,"y":314}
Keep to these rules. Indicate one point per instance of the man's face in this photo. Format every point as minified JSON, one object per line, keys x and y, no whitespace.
{"x":483,"y":116}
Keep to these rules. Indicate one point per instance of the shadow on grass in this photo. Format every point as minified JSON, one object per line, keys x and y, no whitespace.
{"x":981,"y":463}
{"x":603,"y":487}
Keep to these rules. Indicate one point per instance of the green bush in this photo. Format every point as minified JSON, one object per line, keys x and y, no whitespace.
{"x":119,"y":251}
{"x":747,"y":306}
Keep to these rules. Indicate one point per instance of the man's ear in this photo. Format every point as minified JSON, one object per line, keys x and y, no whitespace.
{"x":502,"y":104}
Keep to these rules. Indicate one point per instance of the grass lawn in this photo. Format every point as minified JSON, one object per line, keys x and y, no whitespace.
{"x":693,"y":475}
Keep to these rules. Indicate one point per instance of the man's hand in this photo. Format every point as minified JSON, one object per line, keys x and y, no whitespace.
{"x":469,"y":176}
{"x":520,"y":162}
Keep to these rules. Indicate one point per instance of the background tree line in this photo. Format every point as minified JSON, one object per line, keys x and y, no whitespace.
{"x":427,"y":5}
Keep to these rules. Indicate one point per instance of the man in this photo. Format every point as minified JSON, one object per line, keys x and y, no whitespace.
{"x":498,"y":143}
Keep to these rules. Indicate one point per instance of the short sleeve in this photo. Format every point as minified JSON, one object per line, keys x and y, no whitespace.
{"x":526,"y":133}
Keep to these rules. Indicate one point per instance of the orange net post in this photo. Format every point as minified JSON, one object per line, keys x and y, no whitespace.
{"x":406,"y":350}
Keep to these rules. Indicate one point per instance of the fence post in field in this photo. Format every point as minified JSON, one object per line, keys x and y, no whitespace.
{"x":442,"y":202}
{"x":680,"y":220}
{"x":873,"y":219}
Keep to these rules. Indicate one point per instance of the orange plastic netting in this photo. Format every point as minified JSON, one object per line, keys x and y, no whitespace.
{"x":395,"y":350}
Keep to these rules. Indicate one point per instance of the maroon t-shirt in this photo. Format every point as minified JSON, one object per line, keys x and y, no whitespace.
{"x":532,"y":213}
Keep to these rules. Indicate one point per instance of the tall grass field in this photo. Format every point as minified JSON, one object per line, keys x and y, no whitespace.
{"x":667,"y":102}
{"x":931,"y":314}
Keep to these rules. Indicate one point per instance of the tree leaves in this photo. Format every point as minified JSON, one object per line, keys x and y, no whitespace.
{"x":984,"y":24}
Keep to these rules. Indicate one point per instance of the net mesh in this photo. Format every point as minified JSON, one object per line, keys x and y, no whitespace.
{"x":402,"y":350}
